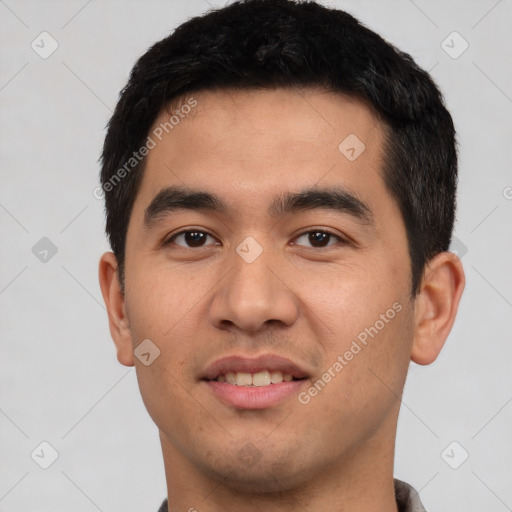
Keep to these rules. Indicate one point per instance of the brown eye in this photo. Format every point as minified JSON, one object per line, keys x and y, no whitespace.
{"x":319,"y":239}
{"x":190,"y":239}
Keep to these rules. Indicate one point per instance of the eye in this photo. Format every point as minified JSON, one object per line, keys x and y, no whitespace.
{"x":189,"y":239}
{"x":319,"y":238}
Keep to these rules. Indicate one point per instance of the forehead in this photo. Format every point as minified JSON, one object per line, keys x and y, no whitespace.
{"x":249,"y":145}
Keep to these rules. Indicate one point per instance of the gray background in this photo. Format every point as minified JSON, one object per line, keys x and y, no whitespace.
{"x":59,"y":378}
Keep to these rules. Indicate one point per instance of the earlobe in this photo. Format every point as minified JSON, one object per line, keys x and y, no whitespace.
{"x":115,"y":303}
{"x":436,"y":306}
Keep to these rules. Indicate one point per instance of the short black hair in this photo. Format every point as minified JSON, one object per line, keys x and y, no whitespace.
{"x":285,"y":43}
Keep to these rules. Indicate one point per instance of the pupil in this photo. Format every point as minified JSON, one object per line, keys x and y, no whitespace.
{"x":194,"y":238}
{"x":318,"y":237}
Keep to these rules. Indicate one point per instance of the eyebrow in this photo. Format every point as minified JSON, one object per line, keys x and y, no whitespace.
{"x":175,"y":198}
{"x":337,"y":199}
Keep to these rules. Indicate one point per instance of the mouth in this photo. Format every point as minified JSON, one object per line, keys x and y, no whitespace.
{"x":254,"y":383}
{"x":264,"y":370}
{"x":259,"y":379}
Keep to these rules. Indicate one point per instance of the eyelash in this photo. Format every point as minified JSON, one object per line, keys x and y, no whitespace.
{"x":325,"y":232}
{"x":169,"y":241}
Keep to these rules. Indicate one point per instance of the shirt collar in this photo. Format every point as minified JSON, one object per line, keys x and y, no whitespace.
{"x":407,"y":498}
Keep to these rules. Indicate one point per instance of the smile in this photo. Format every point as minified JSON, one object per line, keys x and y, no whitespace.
{"x":258,"y":382}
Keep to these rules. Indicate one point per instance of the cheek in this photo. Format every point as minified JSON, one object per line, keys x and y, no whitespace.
{"x":163,"y":307}
{"x":161,"y":301}
{"x":363,"y":376}
{"x":364,"y":323}
{"x":346,"y":299}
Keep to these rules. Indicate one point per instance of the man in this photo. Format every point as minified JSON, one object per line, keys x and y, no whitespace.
{"x":280,"y":196}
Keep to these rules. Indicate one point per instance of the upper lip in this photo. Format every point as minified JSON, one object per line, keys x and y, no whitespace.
{"x":239,"y":363}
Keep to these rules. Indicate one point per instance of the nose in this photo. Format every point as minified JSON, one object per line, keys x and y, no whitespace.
{"x":254,"y":295}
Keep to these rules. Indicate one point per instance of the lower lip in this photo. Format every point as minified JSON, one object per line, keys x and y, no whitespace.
{"x":254,"y":397}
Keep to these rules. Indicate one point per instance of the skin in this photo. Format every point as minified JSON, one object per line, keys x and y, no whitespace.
{"x":296,"y":300}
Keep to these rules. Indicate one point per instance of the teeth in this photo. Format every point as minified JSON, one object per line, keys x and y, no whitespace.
{"x":243,"y":379}
{"x":276,"y":377}
{"x":259,"y":379}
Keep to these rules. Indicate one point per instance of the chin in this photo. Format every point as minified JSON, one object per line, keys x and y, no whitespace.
{"x":267,"y":473}
{"x":260,"y":481}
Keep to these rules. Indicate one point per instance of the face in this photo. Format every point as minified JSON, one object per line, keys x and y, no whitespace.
{"x":268,"y":264}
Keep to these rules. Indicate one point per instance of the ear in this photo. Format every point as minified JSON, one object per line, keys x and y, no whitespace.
{"x":436,"y":306}
{"x":115,"y":302}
